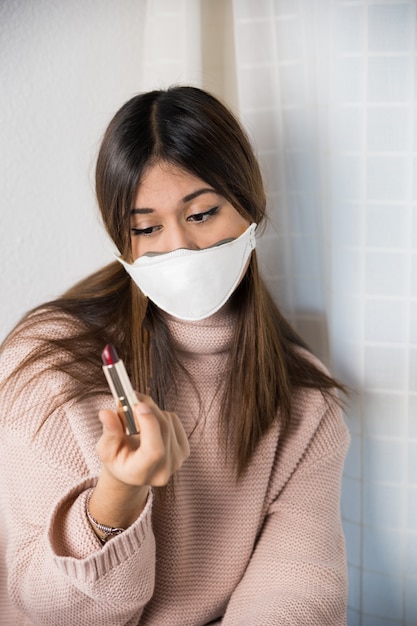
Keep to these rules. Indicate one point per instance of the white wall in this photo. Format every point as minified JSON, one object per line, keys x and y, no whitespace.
{"x":65,"y":68}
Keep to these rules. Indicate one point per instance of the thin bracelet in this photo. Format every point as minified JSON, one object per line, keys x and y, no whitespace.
{"x":109,"y":531}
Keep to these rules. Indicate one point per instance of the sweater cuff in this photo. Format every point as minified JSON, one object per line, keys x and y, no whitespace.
{"x":75,"y":546}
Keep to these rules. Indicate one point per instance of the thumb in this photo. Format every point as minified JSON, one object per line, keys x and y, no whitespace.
{"x":111,"y":422}
{"x":109,"y":443}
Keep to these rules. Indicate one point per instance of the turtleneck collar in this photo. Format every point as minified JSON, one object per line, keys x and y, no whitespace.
{"x":212,"y":335}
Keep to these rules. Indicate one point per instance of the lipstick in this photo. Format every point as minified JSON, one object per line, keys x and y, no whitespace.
{"x":120,"y":386}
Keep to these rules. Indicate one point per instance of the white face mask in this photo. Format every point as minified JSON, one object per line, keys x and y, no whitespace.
{"x":193,"y":284}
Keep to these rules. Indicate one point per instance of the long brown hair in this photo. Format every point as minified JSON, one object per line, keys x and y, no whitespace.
{"x":191,"y":129}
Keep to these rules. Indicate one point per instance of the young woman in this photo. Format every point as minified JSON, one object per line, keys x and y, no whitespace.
{"x":224,"y":508}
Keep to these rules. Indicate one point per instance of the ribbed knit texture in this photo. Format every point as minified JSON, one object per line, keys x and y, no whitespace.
{"x":266,"y":551}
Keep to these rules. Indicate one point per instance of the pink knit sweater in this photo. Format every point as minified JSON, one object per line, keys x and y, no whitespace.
{"x":267,"y":551}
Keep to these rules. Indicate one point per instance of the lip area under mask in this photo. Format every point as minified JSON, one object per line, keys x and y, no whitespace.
{"x":193,"y":284}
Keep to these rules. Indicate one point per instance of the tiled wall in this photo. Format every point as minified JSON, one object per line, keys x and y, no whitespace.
{"x":328,"y":89}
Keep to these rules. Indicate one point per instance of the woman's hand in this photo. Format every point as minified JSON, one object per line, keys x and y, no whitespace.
{"x":148,"y":459}
{"x":133,"y":463}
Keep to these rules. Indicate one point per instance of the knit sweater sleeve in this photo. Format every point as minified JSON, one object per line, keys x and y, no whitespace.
{"x":57,"y":571}
{"x":297,"y":572}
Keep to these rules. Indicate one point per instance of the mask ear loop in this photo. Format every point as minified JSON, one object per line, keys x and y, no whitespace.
{"x":118,"y":254}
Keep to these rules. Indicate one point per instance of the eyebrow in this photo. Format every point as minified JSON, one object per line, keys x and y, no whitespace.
{"x":187,"y":198}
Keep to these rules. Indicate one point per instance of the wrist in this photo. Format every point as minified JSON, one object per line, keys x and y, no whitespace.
{"x":115,"y":504}
{"x":103,"y":532}
{"x":110,"y":520}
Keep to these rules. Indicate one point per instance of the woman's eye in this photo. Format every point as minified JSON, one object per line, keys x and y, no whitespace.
{"x":150,"y":230}
{"x":202,"y":217}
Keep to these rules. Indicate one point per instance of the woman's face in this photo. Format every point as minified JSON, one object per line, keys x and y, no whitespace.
{"x":175,"y":209}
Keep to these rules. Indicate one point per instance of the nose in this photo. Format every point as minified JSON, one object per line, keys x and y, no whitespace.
{"x":181,"y":237}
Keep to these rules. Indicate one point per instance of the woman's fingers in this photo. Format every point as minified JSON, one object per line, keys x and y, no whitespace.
{"x":151,"y":428}
{"x":149,"y":458}
{"x":169,"y":425}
